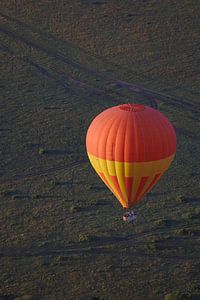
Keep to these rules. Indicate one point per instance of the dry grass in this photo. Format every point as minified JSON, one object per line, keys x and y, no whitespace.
{"x":61,"y":234}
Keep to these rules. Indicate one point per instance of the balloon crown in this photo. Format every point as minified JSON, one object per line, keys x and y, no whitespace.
{"x":132,"y":107}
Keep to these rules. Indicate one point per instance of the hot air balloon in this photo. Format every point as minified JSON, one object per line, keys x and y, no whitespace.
{"x":130,"y":146}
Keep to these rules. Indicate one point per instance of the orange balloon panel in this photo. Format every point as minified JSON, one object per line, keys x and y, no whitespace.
{"x":130,"y":146}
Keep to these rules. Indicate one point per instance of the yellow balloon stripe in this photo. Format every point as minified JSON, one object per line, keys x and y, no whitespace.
{"x":109,"y":169}
{"x":143,"y":168}
{"x":112,"y":188}
{"x":121,"y":179}
{"x":101,"y":167}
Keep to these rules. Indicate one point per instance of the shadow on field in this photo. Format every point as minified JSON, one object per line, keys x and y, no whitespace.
{"x":156,"y":194}
{"x":98,"y":188}
{"x":57,"y":152}
{"x":195,"y":174}
{"x":192,"y":200}
{"x":67,"y":183}
{"x":8,"y":297}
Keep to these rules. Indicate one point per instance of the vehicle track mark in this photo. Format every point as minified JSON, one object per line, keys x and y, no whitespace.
{"x":109,"y":80}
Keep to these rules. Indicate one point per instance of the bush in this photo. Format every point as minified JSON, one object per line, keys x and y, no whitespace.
{"x":161,"y":222}
{"x":176,"y":296}
{"x":184,"y":231}
{"x":92,"y":202}
{"x":153,"y":244}
{"x":53,"y":183}
{"x":187,"y":216}
{"x":73,"y":208}
{"x":171,"y":296}
{"x":15,"y":197}
{"x":83,"y":237}
{"x":197,"y":211}
{"x":180,"y":199}
{"x":36,"y":196}
{"x":41,"y":151}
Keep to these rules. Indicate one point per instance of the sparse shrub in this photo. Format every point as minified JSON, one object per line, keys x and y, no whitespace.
{"x":15,"y":197}
{"x":57,"y":260}
{"x":2,"y":190}
{"x":36,"y":196}
{"x":184,"y":231}
{"x":92,"y":202}
{"x":179,"y":231}
{"x":161,"y":222}
{"x":187,"y":216}
{"x":152,"y":246}
{"x":53,"y":183}
{"x":180,"y":199}
{"x":192,"y":287}
{"x":56,"y":183}
{"x":74,"y":208}
{"x":83,"y":237}
{"x":41,"y":151}
{"x":176,"y":296}
{"x":197,"y":211}
{"x":160,"y":105}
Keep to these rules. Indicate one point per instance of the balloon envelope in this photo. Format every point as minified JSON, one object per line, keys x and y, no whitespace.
{"x":130,"y":147}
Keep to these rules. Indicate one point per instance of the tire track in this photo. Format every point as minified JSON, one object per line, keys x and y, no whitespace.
{"x":50,"y":171}
{"x":105,"y":246}
{"x":71,"y":85}
{"x":104,"y":77}
{"x":74,"y":47}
